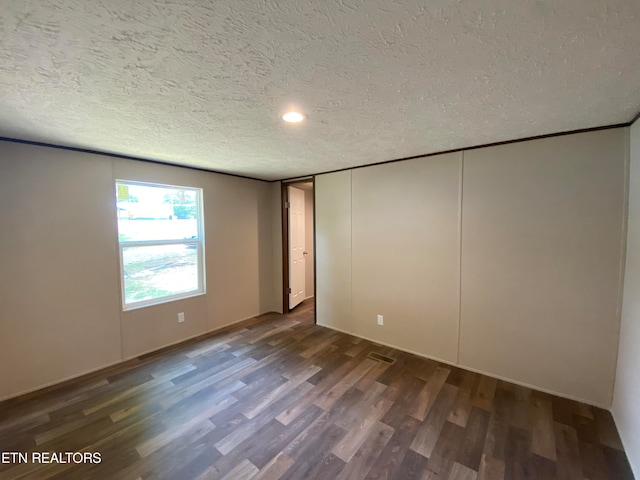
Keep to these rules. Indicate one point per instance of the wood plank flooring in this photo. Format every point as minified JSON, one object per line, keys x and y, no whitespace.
{"x":282,"y":398}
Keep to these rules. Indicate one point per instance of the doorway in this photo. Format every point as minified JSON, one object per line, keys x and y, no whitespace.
{"x":298,"y":241}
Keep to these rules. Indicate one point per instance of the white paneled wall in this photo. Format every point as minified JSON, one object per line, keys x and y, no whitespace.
{"x":541,"y":249}
{"x":333,"y":250}
{"x":405,"y":253}
{"x":526,"y":286}
{"x":626,"y":400}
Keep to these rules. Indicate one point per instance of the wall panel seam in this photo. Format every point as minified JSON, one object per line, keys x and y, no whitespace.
{"x":351,"y":250}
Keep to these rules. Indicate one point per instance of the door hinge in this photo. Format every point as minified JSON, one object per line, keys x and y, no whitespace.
{"x":288,"y":290}
{"x":287,"y":205}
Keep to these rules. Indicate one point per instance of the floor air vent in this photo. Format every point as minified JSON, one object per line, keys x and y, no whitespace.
{"x":382,"y":358}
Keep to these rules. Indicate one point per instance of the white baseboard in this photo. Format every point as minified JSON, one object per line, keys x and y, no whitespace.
{"x":62,"y":380}
{"x":213,"y":330}
{"x":475,"y":370}
{"x":123,"y":360}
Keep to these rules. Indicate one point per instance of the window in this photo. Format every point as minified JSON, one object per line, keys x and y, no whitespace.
{"x":160,"y":231}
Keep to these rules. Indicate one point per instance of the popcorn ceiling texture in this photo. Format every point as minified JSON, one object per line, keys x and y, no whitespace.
{"x":202,"y":83}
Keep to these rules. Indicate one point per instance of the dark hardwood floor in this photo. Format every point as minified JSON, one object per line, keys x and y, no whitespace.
{"x":280,"y":397}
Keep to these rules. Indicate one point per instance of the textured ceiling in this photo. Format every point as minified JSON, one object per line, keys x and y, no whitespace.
{"x":202,"y":83}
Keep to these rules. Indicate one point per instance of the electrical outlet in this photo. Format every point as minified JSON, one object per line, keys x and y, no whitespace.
{"x":380,"y":320}
{"x":181,"y":317}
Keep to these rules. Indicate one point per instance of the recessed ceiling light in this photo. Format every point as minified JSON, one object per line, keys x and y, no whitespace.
{"x":293,"y":117}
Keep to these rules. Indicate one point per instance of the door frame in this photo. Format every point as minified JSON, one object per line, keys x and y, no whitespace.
{"x":284,"y":199}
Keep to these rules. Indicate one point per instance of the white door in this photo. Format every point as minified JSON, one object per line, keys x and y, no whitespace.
{"x":296,"y":246}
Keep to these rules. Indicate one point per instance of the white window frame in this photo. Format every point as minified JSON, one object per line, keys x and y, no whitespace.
{"x":199,"y":242}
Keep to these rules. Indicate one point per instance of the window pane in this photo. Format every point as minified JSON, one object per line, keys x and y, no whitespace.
{"x":137,"y":229}
{"x":159,"y":271}
{"x":156,"y":213}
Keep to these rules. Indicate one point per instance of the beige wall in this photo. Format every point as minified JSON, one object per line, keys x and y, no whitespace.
{"x":59,"y":296}
{"x":626,"y":403}
{"x":542,"y":226}
{"x":60,"y":306}
{"x":541,"y":237}
{"x":333,"y":250}
{"x":405,"y":252}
